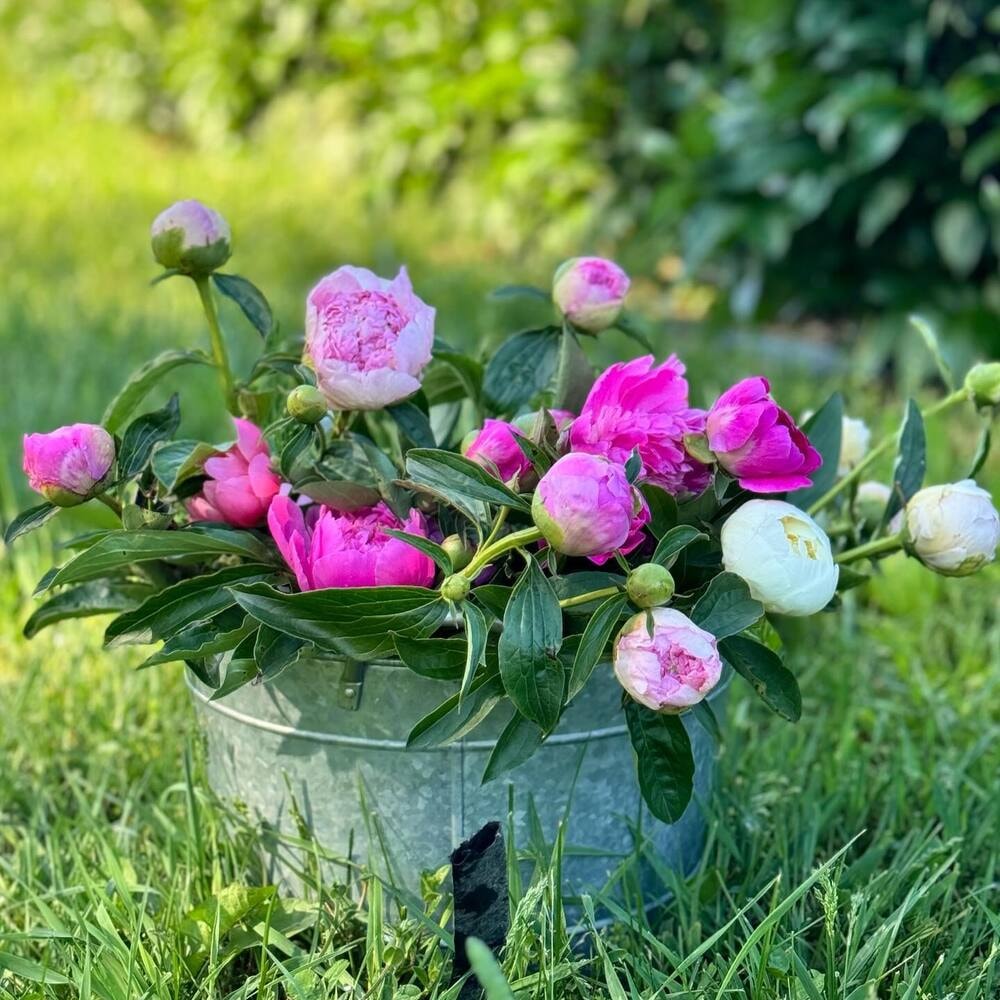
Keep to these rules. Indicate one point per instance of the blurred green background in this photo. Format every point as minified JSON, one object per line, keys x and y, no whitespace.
{"x":785,"y":179}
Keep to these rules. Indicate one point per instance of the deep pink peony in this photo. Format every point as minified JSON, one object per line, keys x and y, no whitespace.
{"x":585,"y":506}
{"x":324,"y":548}
{"x":68,"y":465}
{"x":671,"y":669}
{"x":368,"y":338}
{"x":634,"y":405}
{"x":589,"y":292}
{"x":240,"y":484}
{"x":494,"y":448}
{"x":757,"y":441}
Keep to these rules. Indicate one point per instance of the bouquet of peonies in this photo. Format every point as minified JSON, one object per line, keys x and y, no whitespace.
{"x":510,"y":527}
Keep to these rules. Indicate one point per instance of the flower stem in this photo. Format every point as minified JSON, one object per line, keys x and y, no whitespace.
{"x":881,"y":546}
{"x":880,"y":449}
{"x":490,"y":552}
{"x":219,"y":352}
{"x":594,"y":595}
{"x":111,"y":503}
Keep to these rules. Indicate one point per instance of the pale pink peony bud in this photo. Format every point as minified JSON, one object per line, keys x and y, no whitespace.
{"x":367,"y":338}
{"x":69,"y":465}
{"x":589,"y":292}
{"x":240,"y":484}
{"x":671,"y":669}
{"x":191,"y":237}
{"x":324,"y":548}
{"x":585,"y":506}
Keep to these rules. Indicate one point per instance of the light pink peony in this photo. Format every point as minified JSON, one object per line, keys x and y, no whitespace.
{"x":494,"y":448}
{"x":590,"y":292}
{"x":634,"y":405}
{"x":324,"y":548}
{"x":191,"y":237}
{"x":585,"y":506}
{"x":368,"y":338}
{"x":757,"y":441}
{"x":68,"y":465}
{"x":671,"y":669}
{"x":240,"y":484}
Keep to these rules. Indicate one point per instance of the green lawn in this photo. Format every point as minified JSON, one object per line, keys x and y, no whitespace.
{"x":853,"y":855}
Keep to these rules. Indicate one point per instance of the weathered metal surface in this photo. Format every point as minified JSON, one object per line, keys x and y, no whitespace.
{"x":300,"y":736}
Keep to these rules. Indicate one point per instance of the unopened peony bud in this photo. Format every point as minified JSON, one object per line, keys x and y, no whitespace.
{"x":671,"y":669}
{"x":585,"y":506}
{"x":306,"y":404}
{"x":69,"y":465}
{"x":456,"y":549}
{"x":455,"y":588}
{"x":783,"y":555}
{"x":855,"y":437}
{"x":590,"y":292}
{"x":952,"y":529}
{"x":191,"y":237}
{"x":871,"y":500}
{"x":983,"y":383}
{"x":650,"y":585}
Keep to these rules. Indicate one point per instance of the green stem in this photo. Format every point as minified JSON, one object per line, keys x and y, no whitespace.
{"x":219,"y":352}
{"x":111,"y":503}
{"x":881,"y":546}
{"x":880,"y":449}
{"x":573,"y":374}
{"x":488,"y":553}
{"x":594,"y":595}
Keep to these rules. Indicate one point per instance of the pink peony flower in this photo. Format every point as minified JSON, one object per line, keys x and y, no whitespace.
{"x":585,"y":506}
{"x":240,"y":484}
{"x":757,"y":441}
{"x":324,"y":548}
{"x":633,"y":405}
{"x":589,"y":292}
{"x":671,"y":669}
{"x":191,"y":237}
{"x":368,"y":338}
{"x":495,"y":449}
{"x":69,"y":465}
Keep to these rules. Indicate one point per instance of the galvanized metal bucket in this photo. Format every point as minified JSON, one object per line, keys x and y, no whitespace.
{"x":327,"y":735}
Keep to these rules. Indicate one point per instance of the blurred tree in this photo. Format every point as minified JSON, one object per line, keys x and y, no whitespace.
{"x":830,"y":158}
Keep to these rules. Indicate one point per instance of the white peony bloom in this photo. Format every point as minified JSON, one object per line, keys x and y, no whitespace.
{"x":953,"y":529}
{"x":783,"y":555}
{"x":855,"y":437}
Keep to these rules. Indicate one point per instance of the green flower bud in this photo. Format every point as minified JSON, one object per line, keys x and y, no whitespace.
{"x":650,"y":585}
{"x":983,"y":383}
{"x":458,"y":551}
{"x":306,"y":404}
{"x":455,"y":588}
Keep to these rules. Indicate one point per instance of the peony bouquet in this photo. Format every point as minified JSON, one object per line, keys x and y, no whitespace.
{"x":508,"y":527}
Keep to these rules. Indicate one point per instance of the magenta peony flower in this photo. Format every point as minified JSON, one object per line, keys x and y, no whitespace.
{"x":324,"y":548}
{"x":589,"y":292}
{"x":671,"y":669}
{"x":191,"y":237}
{"x":633,"y":405}
{"x":757,"y":441}
{"x":494,"y":448}
{"x":240,"y":484}
{"x":69,"y":465}
{"x":368,"y":338}
{"x":585,"y":506}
